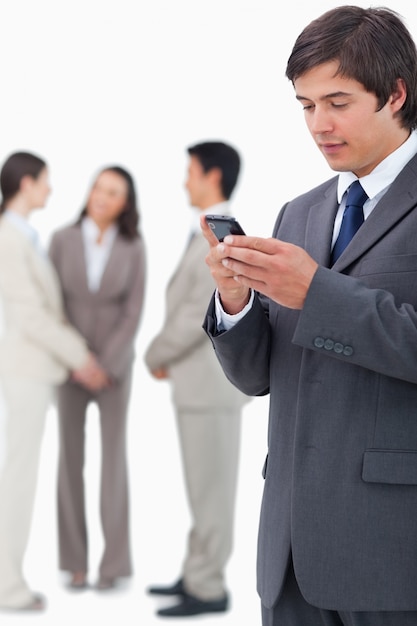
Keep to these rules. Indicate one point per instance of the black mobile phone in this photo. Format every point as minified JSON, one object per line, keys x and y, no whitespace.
{"x":223,"y":225}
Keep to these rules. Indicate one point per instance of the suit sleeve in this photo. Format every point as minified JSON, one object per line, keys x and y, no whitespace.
{"x":53,"y":250}
{"x":32,"y":313}
{"x":344,"y":319}
{"x":244,"y":350}
{"x":182,"y":330}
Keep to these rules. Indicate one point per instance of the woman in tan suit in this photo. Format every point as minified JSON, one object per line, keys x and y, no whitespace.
{"x":38,"y":349}
{"x":101,"y":264}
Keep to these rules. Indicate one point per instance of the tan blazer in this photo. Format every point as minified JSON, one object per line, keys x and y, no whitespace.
{"x":108,"y":318}
{"x":37,"y":341}
{"x":182,"y":346}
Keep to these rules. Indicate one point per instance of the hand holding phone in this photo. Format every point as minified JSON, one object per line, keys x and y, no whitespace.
{"x":223,"y":225}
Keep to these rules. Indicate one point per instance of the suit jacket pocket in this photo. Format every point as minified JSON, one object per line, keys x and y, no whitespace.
{"x":394,"y":264}
{"x":396,"y":274}
{"x":394,"y":467}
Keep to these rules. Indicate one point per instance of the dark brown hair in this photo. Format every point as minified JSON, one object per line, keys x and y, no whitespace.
{"x":17,"y":166}
{"x":128,"y":220}
{"x":372,"y":46}
{"x":216,"y":154}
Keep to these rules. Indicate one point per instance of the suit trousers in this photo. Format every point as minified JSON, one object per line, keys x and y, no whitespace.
{"x":25,"y":403}
{"x":293,"y":610}
{"x":210,"y":442}
{"x":114,"y":498}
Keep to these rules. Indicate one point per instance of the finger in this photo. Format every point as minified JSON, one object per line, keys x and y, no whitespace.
{"x":260,"y":244}
{"x":207,"y":232}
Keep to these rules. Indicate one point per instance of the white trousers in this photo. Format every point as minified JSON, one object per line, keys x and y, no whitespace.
{"x":24,"y":405}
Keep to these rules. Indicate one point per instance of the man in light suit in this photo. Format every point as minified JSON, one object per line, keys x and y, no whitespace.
{"x":334,"y":342}
{"x":208,"y":407}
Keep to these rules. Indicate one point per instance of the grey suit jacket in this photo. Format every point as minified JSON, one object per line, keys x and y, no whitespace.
{"x":108,"y":318}
{"x":182,"y":345}
{"x":341,"y":473}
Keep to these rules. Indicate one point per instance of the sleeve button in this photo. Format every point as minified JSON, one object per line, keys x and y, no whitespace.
{"x":319,"y":342}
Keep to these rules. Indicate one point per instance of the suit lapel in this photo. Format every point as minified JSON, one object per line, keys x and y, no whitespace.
{"x":46,"y":278}
{"x":319,"y":229}
{"x":113,"y":265}
{"x":79,"y":263}
{"x":192,"y":242}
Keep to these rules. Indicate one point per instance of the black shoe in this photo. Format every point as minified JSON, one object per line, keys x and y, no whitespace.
{"x":177,"y":589}
{"x":190,"y":605}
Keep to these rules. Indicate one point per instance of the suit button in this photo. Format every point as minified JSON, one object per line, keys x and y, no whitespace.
{"x":319,"y":342}
{"x":348,"y":350}
{"x":338,"y":348}
{"x":328,"y":344}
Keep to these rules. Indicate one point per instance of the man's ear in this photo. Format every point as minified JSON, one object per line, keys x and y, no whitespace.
{"x":399,"y":95}
{"x":215,"y":175}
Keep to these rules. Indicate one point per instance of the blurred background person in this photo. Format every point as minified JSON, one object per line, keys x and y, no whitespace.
{"x":208,"y":407}
{"x":38,"y":348}
{"x":100,"y":261}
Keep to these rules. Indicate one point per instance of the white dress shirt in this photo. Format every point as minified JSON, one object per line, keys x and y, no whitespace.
{"x":97,"y":248}
{"x":221,"y":208}
{"x":376,"y":183}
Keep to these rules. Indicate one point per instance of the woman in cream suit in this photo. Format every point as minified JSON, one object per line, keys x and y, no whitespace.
{"x":38,"y":349}
{"x":101,"y":264}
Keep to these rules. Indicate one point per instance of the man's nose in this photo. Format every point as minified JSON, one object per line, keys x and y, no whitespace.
{"x":320,"y":121}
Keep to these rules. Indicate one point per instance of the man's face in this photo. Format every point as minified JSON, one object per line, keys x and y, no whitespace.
{"x":343,"y":120}
{"x":197,"y":183}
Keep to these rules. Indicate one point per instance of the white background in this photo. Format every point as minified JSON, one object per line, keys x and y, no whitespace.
{"x":89,"y":83}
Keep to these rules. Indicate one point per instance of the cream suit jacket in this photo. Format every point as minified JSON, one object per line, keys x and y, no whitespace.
{"x":182,"y":346}
{"x":37,"y":341}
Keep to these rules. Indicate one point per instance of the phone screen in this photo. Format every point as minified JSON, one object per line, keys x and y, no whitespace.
{"x":223,"y":225}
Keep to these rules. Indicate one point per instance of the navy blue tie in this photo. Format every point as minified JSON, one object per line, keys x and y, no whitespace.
{"x":352,"y":218}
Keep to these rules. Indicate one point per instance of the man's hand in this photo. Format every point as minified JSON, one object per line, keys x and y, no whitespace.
{"x":160,"y":373}
{"x":234,"y":296}
{"x":277,"y":269}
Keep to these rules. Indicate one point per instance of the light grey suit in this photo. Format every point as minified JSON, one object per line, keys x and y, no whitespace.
{"x":208,"y":411}
{"x":108,"y":319}
{"x":341,"y":473}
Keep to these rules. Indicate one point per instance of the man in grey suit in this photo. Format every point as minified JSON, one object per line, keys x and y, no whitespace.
{"x":208,"y":407}
{"x":334,"y":340}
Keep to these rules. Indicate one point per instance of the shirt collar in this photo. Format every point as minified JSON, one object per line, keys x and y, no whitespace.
{"x":221,"y":208}
{"x":384,"y":173}
{"x":91,"y":232}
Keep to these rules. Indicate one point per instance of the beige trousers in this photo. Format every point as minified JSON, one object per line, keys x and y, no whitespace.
{"x":210,"y":442}
{"x":25,"y":404}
